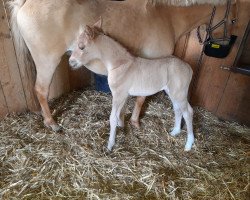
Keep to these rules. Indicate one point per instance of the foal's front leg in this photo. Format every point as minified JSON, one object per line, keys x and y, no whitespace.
{"x":122,"y":116}
{"x":117,"y":105}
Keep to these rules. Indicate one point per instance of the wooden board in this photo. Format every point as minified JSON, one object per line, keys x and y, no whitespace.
{"x":235,"y":103}
{"x":213,"y":88}
{"x":26,"y":71}
{"x":220,"y":90}
{"x":12,"y":86}
{"x":66,"y":79}
{"x":192,"y":56}
{"x":210,"y":85}
{"x":79,"y":78}
{"x":3,"y":106}
{"x":60,"y":82}
{"x":245,"y":57}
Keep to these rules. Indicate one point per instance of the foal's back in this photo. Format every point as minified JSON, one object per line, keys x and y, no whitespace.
{"x":148,"y":77}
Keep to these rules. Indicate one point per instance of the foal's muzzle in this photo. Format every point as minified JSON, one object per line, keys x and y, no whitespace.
{"x":73,"y":63}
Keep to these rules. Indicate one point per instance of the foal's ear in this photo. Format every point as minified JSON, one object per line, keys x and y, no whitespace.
{"x":89,"y":33}
{"x":98,"y":24}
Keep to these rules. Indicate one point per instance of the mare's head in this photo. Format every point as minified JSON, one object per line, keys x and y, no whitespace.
{"x":86,"y":49}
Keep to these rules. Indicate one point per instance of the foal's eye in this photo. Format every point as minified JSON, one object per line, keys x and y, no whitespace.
{"x":81,"y":46}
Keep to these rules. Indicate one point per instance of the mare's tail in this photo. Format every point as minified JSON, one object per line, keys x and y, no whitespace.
{"x":22,"y":51}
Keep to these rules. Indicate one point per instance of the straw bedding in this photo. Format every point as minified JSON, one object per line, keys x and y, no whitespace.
{"x":36,"y":163}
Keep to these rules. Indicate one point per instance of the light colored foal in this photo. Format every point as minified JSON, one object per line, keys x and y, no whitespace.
{"x":129,"y":75}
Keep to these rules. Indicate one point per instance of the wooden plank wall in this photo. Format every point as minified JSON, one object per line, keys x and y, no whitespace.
{"x":220,"y":91}
{"x":235,"y":102}
{"x":12,"y":94}
{"x":17,"y":78}
{"x":244,"y":59}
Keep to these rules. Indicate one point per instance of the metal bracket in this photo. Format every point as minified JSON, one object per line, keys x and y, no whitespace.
{"x":226,"y":68}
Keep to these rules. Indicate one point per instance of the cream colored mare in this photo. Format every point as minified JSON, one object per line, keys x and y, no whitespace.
{"x":129,"y":75}
{"x":49,"y":28}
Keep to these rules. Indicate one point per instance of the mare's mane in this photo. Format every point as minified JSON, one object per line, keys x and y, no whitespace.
{"x":186,"y":2}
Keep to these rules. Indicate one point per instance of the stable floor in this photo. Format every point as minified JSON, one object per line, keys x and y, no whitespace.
{"x":146,"y":163}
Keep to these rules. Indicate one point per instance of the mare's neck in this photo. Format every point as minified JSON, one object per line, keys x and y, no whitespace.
{"x":112,"y":53}
{"x":185,"y":19}
{"x":91,"y":10}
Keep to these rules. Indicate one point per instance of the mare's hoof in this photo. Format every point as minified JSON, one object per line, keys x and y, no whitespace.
{"x":136,"y":124}
{"x":53,"y":126}
{"x":38,"y":112}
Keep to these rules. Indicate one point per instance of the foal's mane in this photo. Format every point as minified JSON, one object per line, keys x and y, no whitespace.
{"x":186,"y":2}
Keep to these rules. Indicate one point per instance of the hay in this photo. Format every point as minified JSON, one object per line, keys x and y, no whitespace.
{"x":36,"y":163}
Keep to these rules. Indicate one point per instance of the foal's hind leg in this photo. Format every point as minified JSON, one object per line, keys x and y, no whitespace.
{"x":182,"y":108}
{"x":188,"y":116}
{"x":177,"y":123}
{"x":45,"y":71}
{"x":136,"y":112}
{"x":177,"y":114}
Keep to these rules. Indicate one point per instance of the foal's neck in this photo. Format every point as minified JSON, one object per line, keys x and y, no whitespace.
{"x":112,"y":53}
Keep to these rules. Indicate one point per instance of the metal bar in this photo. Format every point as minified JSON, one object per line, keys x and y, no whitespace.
{"x":226,"y":17}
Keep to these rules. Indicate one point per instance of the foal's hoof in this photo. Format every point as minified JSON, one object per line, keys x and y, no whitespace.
{"x":175,"y":132}
{"x":109,"y":148}
{"x":106,"y":151}
{"x":134,"y":123}
{"x":189,"y":143}
{"x":188,"y":148}
{"x":121,"y":124}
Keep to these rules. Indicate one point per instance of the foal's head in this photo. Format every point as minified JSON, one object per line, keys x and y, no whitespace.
{"x":86,"y":49}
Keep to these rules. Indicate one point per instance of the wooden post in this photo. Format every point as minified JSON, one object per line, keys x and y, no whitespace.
{"x":12,"y":94}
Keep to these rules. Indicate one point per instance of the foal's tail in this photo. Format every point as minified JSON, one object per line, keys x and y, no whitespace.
{"x":21,"y":48}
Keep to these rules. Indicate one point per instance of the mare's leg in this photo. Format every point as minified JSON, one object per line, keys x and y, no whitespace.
{"x":136,"y":112}
{"x":117,"y":105}
{"x":45,"y":70}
